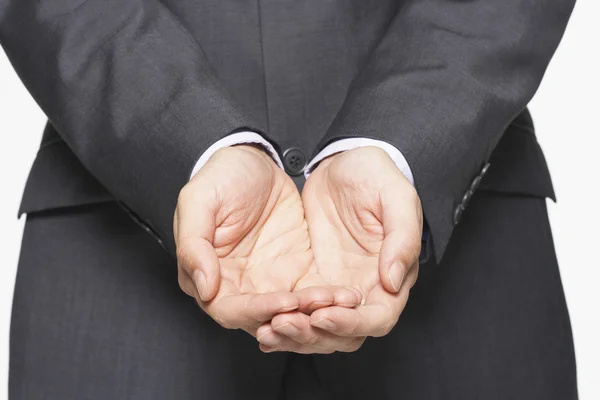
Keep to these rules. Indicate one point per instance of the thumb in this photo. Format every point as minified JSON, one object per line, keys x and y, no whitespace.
{"x":195,"y":225}
{"x":402,"y":226}
{"x":197,"y":257}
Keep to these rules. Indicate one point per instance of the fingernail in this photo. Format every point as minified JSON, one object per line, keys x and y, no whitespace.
{"x":288,"y":309}
{"x":200,"y":282}
{"x":288,"y":329}
{"x":325,"y":323}
{"x":359,"y":295}
{"x":319,"y":304}
{"x":267,"y":349}
{"x":357,"y":292}
{"x":396,"y":275}
{"x":268,"y":339}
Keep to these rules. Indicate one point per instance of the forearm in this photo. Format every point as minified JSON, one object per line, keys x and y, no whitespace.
{"x":127,"y":88}
{"x":442,"y":86}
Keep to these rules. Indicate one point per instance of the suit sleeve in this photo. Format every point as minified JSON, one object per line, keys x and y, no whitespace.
{"x":443,"y":84}
{"x":128,"y":89}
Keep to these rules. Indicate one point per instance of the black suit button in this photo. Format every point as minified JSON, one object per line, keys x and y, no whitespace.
{"x":484,"y":170}
{"x":465,"y":200}
{"x":294,"y":161}
{"x":458,"y":214}
{"x":475,"y":184}
{"x":469,"y":193}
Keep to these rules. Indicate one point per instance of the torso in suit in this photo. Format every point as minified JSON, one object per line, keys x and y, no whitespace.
{"x":135,"y":91}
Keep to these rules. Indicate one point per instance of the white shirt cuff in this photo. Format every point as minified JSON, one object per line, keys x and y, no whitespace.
{"x":354,"y":143}
{"x":233,"y":139}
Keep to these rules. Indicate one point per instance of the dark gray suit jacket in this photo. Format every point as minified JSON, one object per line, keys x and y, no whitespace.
{"x":136,"y":90}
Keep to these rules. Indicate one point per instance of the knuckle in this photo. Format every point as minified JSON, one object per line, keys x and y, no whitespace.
{"x":388,"y":325}
{"x":355,"y":328}
{"x":312,"y":340}
{"x":184,"y":255}
{"x":220,"y":314}
{"x":223,"y":322}
{"x":389,"y":322}
{"x":353,"y":345}
{"x":181,"y":251}
{"x":410,"y":251}
{"x":252,"y":310}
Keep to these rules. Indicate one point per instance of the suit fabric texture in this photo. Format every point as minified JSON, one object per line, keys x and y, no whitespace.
{"x":136,"y":90}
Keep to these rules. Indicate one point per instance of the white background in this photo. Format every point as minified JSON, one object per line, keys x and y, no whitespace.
{"x":566,"y":111}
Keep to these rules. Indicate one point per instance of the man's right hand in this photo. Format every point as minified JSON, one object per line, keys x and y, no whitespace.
{"x":243,"y":244}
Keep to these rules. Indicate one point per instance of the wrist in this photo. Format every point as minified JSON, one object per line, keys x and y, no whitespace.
{"x":248,"y":151}
{"x":255,"y":149}
{"x":359,"y":154}
{"x":324,"y":163}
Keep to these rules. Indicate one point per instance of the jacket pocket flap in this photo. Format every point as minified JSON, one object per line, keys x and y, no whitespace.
{"x":518,"y":166}
{"x":58,"y":179}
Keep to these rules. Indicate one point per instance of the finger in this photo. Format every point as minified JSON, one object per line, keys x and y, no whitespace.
{"x":195,"y":229}
{"x":248,"y":311}
{"x":297,"y":327}
{"x":372,"y":319}
{"x":186,"y":284}
{"x":198,"y":259}
{"x":367,"y":320}
{"x":315,"y":297}
{"x":402,"y":225}
{"x":347,"y":296}
{"x":272,"y":341}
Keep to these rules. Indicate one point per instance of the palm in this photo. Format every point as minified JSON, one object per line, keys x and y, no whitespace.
{"x":262,"y":239}
{"x":345,"y":231}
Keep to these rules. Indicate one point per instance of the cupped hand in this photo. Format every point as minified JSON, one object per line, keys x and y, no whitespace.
{"x":243,"y":244}
{"x":365,"y":224}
